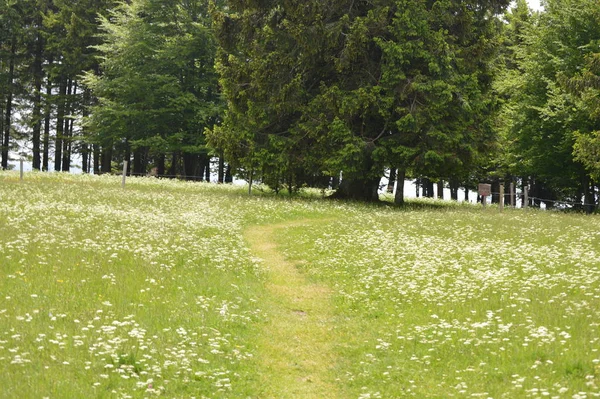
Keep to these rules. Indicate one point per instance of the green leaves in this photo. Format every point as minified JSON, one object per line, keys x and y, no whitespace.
{"x":547,"y":85}
{"x":587,"y":151}
{"x":158,"y":76}
{"x":346,"y":83}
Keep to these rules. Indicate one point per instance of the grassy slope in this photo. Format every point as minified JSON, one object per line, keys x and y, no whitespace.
{"x":152,"y":290}
{"x":459,"y":303}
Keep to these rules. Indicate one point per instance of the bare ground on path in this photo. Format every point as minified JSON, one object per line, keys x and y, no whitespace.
{"x":296,"y":349}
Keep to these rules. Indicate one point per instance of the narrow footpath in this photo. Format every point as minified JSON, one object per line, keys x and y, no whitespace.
{"x":295,"y":352}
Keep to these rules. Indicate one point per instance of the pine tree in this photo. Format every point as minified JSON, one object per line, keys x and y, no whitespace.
{"x":71,"y":29}
{"x":10,"y":29}
{"x":322,"y":87}
{"x":157,"y":90}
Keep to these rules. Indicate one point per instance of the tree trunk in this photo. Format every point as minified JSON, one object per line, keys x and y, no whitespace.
{"x":363,"y":184}
{"x":399,"y":196}
{"x":534,"y":194}
{"x":160,"y":165}
{"x":202,"y":166}
{"x":96,"y":155}
{"x":85,"y":149}
{"x":524,"y":184}
{"x":173,"y":168}
{"x":335,"y":182}
{"x":290,"y":180}
{"x":9,"y":104}
{"x":139,"y":161}
{"x":228,"y":175}
{"x":38,"y":76}
{"x":360,"y":189}
{"x":207,"y":169}
{"x":1,"y":132}
{"x":392,"y":180}
{"x":221,"y":176}
{"x":106,"y":159}
{"x":250,"y":181}
{"x":68,"y":131}
{"x":47,"y":117}
{"x":466,"y":194}
{"x":127,"y":157}
{"x":495,"y":192}
{"x":60,"y":125}
{"x":427,"y":188}
{"x":589,"y":196}
{"x":84,"y":158}
{"x":440,"y":189}
{"x":454,"y":189}
{"x":190,"y":162}
{"x":417,"y":187}
{"x":510,"y":192}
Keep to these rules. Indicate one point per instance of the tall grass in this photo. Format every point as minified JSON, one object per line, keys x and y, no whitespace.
{"x":152,"y":291}
{"x":129,"y":293}
{"x":462,"y":303}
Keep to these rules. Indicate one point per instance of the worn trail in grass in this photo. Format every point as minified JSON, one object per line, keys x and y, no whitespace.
{"x":296,"y":351}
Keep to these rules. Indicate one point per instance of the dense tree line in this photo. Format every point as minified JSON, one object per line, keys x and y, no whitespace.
{"x":549,"y":87}
{"x":44,"y":47}
{"x":294,"y":94}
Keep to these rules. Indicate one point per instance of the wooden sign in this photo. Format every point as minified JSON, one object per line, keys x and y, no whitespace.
{"x":485,"y":190}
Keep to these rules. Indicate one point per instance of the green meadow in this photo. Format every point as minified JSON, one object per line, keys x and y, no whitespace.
{"x":162,"y":289}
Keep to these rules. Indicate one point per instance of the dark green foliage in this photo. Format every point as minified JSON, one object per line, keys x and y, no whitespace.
{"x":47,"y":42}
{"x":313,"y":89}
{"x":157,"y":90}
{"x":325,"y":86}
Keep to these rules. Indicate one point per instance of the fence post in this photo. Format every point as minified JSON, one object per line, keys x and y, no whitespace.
{"x":526,"y":197}
{"x":21,"y":170}
{"x":124,"y":174}
{"x":501,"y":204}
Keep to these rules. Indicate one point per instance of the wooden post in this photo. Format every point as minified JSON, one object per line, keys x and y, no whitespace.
{"x":124,"y":174}
{"x":512,"y":195}
{"x":501,"y":204}
{"x":526,"y":197}
{"x":21,"y":169}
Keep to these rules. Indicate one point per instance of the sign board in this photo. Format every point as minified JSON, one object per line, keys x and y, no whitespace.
{"x":485,"y":190}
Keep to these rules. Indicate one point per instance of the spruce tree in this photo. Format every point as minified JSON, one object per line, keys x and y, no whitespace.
{"x":322,"y":87}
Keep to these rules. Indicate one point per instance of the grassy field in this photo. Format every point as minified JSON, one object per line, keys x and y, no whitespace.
{"x":153,"y":291}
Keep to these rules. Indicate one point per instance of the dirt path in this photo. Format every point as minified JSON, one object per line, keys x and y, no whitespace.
{"x":296,"y":349}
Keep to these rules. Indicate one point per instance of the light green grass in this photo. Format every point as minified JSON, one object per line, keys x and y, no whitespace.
{"x":462,"y":303}
{"x":109,"y":293}
{"x":153,"y":291}
{"x":295,"y":351}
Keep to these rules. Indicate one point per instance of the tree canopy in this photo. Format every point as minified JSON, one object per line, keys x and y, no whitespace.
{"x":156,"y":92}
{"x":353,"y":87}
{"x":297,"y":94}
{"x":549,"y":112}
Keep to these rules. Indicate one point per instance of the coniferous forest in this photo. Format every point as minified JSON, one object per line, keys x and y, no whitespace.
{"x":296,"y":94}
